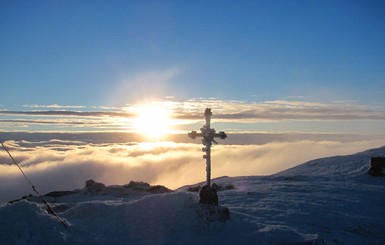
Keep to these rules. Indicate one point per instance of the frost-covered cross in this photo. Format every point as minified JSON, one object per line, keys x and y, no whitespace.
{"x":209,"y":136}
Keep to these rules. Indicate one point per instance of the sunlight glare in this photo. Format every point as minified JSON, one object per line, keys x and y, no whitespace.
{"x":153,"y":121}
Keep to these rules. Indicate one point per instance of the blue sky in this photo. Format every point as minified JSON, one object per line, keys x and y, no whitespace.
{"x":289,"y":81}
{"x":113,"y":53}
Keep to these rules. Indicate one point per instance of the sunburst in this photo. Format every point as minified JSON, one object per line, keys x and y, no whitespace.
{"x":153,"y":121}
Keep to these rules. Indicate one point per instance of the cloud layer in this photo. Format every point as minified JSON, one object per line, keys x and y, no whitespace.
{"x":186,"y":114}
{"x":229,"y":110}
{"x":66,"y":164}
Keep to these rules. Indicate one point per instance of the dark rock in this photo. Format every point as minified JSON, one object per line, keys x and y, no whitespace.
{"x":137,"y":185}
{"x":216,"y":187}
{"x":94,"y":187}
{"x":194,"y":188}
{"x":377,"y":166}
{"x":159,"y":189}
{"x":58,"y":193}
{"x":377,"y":162}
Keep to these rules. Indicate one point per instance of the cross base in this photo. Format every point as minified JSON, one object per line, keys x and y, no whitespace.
{"x":208,"y":195}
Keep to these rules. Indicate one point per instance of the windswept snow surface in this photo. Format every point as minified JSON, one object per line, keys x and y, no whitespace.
{"x":324,"y":201}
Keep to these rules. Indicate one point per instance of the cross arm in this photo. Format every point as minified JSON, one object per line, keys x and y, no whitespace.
{"x":221,"y":135}
{"x":194,"y":134}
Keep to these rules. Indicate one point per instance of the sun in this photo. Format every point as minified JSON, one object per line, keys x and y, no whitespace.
{"x":153,"y":121}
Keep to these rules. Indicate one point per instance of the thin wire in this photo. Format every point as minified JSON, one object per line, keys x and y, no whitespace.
{"x":25,"y":176}
{"x":49,"y":208}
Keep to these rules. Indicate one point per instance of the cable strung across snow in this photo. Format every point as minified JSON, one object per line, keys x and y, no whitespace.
{"x":48,"y":206}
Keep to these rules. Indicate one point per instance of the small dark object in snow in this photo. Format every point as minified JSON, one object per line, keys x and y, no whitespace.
{"x":194,"y":188}
{"x":94,"y":187}
{"x":23,"y":198}
{"x":59,"y":193}
{"x":208,"y":195}
{"x":377,"y":166}
{"x":157,"y":189}
{"x":137,"y":185}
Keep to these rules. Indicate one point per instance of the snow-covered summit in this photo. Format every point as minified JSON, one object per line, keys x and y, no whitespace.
{"x":351,"y":167}
{"x":325,"y":201}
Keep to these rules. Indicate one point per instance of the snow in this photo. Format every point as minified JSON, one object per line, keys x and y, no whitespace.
{"x":324,"y":201}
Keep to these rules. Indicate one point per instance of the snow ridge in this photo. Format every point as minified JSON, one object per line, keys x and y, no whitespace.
{"x":324,"y":201}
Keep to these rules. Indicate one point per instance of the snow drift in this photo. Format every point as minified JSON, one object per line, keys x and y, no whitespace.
{"x":325,"y":201}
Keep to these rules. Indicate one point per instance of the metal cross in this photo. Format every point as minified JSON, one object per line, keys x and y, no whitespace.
{"x":208,"y":135}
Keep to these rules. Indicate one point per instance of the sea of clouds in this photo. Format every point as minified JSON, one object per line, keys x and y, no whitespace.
{"x":65,"y":161}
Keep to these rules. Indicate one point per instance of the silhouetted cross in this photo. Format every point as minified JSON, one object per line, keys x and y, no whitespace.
{"x":208,"y":135}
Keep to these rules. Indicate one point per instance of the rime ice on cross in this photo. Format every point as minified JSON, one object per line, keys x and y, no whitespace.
{"x":209,"y":136}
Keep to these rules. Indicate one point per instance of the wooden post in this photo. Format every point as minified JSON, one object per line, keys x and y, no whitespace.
{"x":208,"y":135}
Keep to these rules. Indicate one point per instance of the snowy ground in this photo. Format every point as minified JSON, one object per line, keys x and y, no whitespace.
{"x":325,"y":201}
